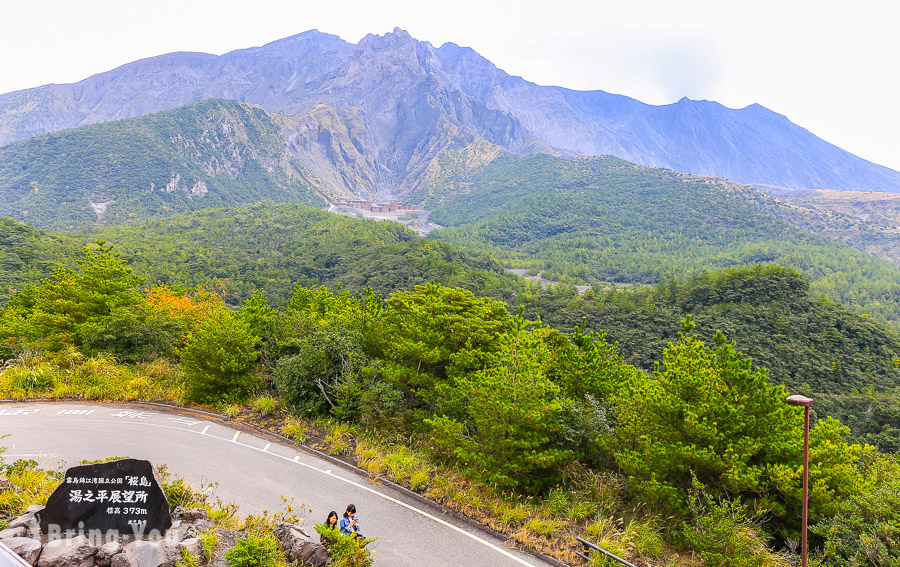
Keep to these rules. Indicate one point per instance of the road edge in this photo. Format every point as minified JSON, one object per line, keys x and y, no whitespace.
{"x":249,"y":427}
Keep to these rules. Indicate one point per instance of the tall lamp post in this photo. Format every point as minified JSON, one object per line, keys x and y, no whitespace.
{"x":805,"y":403}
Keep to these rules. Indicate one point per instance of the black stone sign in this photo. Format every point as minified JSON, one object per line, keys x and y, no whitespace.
{"x":123,"y":496}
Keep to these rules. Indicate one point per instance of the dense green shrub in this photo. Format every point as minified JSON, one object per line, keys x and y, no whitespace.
{"x":345,"y":550}
{"x":71,"y":305}
{"x":217,"y":358}
{"x":135,"y":333}
{"x":317,"y":379}
{"x":708,"y":414}
{"x":436,"y":333}
{"x":512,"y":417}
{"x":255,"y":551}
{"x":263,"y":320}
{"x":581,"y":424}
{"x":722,"y":534}
{"x":866,"y":528}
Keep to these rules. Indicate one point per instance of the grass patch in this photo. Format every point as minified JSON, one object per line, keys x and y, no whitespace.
{"x":337,"y":438}
{"x":35,"y":486}
{"x":265,"y":405}
{"x":71,"y":375}
{"x":295,"y":430}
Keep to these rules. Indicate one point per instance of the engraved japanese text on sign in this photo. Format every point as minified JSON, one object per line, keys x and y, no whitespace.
{"x":122,"y":496}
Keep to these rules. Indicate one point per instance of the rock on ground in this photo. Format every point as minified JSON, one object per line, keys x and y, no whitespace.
{"x":70,"y":552}
{"x":27,"y":521}
{"x":298,"y":546}
{"x":194,"y":514}
{"x":147,"y":554}
{"x":192,"y":545}
{"x":13,"y":532}
{"x":25,"y":547}
{"x":106,"y":552}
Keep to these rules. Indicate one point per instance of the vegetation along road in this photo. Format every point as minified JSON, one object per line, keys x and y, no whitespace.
{"x":252,"y":473}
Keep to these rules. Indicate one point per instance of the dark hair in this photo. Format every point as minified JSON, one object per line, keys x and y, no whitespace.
{"x":328,"y":519}
{"x":351,"y":509}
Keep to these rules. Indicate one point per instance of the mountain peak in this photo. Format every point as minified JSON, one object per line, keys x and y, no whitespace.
{"x":293,"y":44}
{"x":397,"y":38}
{"x":411,"y":93}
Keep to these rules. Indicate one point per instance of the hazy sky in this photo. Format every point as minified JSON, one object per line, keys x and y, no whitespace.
{"x":830,"y":67}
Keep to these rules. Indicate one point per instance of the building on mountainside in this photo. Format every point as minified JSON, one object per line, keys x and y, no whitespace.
{"x":374,"y":207}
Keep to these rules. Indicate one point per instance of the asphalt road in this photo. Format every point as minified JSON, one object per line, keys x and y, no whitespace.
{"x":254,"y":474}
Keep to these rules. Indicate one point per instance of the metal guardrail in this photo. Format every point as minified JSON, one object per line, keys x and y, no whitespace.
{"x":10,"y":559}
{"x":588,"y":546}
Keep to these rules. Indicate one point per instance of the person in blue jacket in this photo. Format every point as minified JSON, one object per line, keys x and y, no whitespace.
{"x":350,"y":523}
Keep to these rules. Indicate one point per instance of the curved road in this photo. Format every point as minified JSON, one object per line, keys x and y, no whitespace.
{"x":252,"y":473}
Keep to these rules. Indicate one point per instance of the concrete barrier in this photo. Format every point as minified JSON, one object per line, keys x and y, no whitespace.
{"x":10,"y":559}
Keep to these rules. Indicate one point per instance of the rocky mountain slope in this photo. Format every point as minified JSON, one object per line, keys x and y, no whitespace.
{"x":208,"y":154}
{"x":752,"y":145}
{"x":397,"y":102}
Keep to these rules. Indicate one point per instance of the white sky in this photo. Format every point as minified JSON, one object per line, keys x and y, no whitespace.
{"x":831,"y":67}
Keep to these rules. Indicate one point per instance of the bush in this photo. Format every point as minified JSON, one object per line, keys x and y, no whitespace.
{"x":709,"y":413}
{"x":866,"y":528}
{"x":380,"y":403}
{"x":508,"y":436}
{"x":315,"y":380}
{"x":581,"y":423}
{"x":135,"y":333}
{"x":35,"y":485}
{"x":265,"y":405}
{"x":723,"y":535}
{"x":254,"y":552}
{"x":296,"y":430}
{"x":30,"y":380}
{"x":217,"y":358}
{"x":345,"y":550}
{"x":70,"y":306}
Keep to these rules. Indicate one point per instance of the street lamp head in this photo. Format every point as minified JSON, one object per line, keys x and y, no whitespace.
{"x":798,"y":400}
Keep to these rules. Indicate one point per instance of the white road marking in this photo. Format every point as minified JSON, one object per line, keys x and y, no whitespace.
{"x":186,"y":420}
{"x":266,"y":448}
{"x":205,"y":429}
{"x":131,"y":414}
{"x":234,"y":439}
{"x":350,"y":482}
{"x":19,"y":411}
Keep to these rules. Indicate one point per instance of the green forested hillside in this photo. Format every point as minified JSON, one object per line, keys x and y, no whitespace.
{"x":803,"y":340}
{"x":212,"y":153}
{"x":272,"y":247}
{"x":772,"y":313}
{"x":28,"y":254}
{"x":604,"y":219}
{"x":847,"y":362}
{"x":268,"y":247}
{"x":806,"y":342}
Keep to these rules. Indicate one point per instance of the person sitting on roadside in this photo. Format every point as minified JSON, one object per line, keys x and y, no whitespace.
{"x":350,"y":523}
{"x":331,"y":529}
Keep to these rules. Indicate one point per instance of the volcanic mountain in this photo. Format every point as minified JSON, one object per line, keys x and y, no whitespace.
{"x":370,"y":118}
